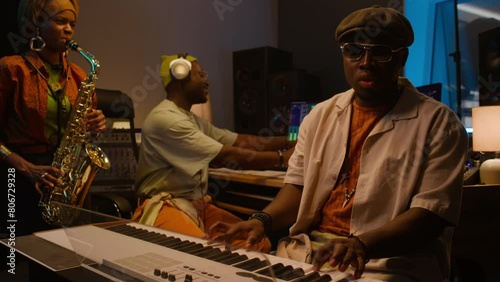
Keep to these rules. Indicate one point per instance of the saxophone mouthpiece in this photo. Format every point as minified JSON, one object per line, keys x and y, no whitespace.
{"x":73,"y":45}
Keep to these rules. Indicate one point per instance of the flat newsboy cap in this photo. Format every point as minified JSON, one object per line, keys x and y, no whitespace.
{"x":376,"y":23}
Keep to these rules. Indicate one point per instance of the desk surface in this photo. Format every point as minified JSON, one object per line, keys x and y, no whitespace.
{"x":261,"y":179}
{"x":277,"y":182}
{"x":243,"y":190}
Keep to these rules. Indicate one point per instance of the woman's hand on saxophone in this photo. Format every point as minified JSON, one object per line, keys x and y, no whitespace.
{"x":95,"y":120}
{"x":48,"y":177}
{"x":40,"y":175}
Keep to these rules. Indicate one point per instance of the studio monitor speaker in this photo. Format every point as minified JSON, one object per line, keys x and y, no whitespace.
{"x":287,"y":87}
{"x":252,"y":98}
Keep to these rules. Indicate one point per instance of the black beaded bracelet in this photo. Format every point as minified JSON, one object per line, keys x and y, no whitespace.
{"x":362,"y":244}
{"x":265,"y":218}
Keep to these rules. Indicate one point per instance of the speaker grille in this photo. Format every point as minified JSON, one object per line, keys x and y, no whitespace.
{"x":251,"y":70}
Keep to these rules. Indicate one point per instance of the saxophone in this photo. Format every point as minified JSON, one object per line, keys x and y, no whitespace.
{"x":78,"y":160}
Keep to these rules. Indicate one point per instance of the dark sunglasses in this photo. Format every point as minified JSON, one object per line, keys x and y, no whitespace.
{"x":379,"y":53}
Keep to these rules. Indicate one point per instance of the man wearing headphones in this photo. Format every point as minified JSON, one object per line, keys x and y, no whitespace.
{"x":177,"y":148}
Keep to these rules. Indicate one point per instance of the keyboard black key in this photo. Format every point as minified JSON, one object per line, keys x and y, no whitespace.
{"x":156,"y":238}
{"x":212,"y":253}
{"x":279,"y":270}
{"x":142,"y":235}
{"x":119,"y":228}
{"x":191,"y":248}
{"x":223,"y":255}
{"x":314,"y":277}
{"x":181,"y":244}
{"x":252,"y":264}
{"x":150,"y":236}
{"x":237,"y":259}
{"x":323,"y":278}
{"x":309,"y":277}
{"x":295,"y":273}
{"x":267,"y":271}
{"x":201,"y":252}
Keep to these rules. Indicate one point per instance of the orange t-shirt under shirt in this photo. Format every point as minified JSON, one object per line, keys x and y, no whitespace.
{"x":335,"y":218}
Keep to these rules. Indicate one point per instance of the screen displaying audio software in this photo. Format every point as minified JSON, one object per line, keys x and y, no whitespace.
{"x":432,"y":90}
{"x":298,"y":110}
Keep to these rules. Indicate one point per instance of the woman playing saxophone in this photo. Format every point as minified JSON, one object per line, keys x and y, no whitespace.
{"x":38,"y":88}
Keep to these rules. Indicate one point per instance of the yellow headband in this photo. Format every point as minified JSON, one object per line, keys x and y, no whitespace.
{"x":54,"y":7}
{"x":38,"y":11}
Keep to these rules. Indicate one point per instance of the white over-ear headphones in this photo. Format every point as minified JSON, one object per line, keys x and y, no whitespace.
{"x":180,"y":68}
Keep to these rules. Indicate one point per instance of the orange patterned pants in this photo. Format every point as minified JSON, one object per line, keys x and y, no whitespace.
{"x":175,"y":220}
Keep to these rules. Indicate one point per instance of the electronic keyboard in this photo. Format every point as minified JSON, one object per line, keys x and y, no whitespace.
{"x":152,"y":254}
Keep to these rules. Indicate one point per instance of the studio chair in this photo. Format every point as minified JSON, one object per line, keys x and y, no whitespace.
{"x":111,"y":203}
{"x":112,"y":191}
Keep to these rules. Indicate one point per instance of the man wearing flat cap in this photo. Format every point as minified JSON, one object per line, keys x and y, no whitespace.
{"x":374,"y":184}
{"x":177,"y":148}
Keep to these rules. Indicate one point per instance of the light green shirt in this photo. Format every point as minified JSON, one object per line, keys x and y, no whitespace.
{"x":176,"y":149}
{"x":50,"y":128}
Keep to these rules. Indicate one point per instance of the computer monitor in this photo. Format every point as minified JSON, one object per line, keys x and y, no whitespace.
{"x":432,"y":90}
{"x":298,"y":110}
